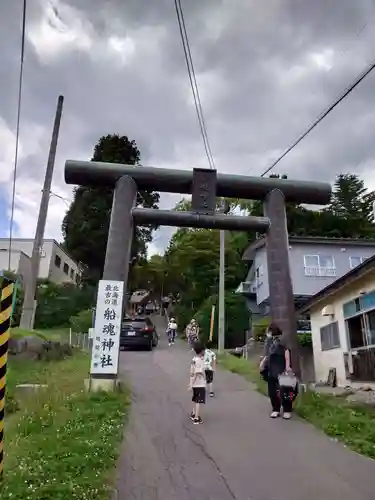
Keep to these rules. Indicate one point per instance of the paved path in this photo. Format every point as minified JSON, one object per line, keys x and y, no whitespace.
{"x":238,"y":453}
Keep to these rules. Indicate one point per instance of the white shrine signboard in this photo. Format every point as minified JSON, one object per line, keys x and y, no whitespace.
{"x":108,"y":317}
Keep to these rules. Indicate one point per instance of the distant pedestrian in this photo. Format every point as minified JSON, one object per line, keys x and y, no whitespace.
{"x":276,"y":369}
{"x":192,"y":332}
{"x":197,"y":382}
{"x":210,"y":368}
{"x":171,"y":331}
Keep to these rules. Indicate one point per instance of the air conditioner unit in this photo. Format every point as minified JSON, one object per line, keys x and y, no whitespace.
{"x":328,"y":310}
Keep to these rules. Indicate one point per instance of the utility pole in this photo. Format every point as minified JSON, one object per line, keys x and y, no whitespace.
{"x":221,"y":322}
{"x":27,"y":317}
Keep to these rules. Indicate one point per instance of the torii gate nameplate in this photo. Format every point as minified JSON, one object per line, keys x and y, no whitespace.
{"x":203,"y":199}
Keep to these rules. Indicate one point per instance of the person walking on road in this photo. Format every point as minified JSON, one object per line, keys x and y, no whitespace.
{"x":171,"y":330}
{"x":197,"y":382}
{"x":275,"y":364}
{"x":210,"y":367}
{"x":192,"y":332}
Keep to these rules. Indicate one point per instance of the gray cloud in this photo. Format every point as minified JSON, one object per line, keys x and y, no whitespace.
{"x":265,"y":70}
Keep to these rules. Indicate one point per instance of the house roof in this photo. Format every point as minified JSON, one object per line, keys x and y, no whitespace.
{"x":308,"y":240}
{"x":354,"y":274}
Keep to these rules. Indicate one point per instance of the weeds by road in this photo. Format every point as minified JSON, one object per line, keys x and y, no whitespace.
{"x":54,"y":334}
{"x":62,"y":442}
{"x":353,"y":424}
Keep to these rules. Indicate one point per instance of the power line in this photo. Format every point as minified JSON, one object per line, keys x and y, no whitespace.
{"x":19,"y":102}
{"x":193,"y":82}
{"x":323,"y":114}
{"x":65,"y":200}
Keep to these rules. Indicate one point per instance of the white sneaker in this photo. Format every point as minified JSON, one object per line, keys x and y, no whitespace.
{"x":275,"y":414}
{"x":169,"y":344}
{"x":287,"y":416}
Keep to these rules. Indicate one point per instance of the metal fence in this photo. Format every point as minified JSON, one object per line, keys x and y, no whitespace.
{"x":80,"y":340}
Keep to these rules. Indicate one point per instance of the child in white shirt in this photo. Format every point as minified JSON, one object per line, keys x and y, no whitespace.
{"x":197,"y":382}
{"x":172,"y":329}
{"x":210,"y":367}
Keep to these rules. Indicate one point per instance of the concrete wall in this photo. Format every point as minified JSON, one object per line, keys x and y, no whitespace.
{"x":14,"y":260}
{"x":47,"y":268}
{"x":334,"y":358}
{"x":68,"y":269}
{"x":24,"y":267}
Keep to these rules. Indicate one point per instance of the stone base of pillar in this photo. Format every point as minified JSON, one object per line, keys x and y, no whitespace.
{"x":102,"y":385}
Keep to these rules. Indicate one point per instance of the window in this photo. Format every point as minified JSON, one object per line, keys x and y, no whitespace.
{"x":329,"y":336}
{"x":57,"y":261}
{"x":355,"y":261}
{"x":258,"y":276}
{"x":72,"y":274}
{"x":320,"y":265}
{"x":259,"y":272}
{"x":66,"y":268}
{"x":371,"y":327}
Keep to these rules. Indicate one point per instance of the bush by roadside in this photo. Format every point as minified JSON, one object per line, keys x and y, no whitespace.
{"x":353,"y":424}
{"x":62,"y":442}
{"x":82,"y":321}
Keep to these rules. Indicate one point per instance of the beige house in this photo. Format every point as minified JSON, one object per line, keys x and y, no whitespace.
{"x":55,"y":263}
{"x":343,"y":327}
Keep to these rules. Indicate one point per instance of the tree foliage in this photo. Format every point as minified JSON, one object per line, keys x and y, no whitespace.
{"x":351,"y":204}
{"x":236,"y":319}
{"x":58,"y":303}
{"x":85,"y":226}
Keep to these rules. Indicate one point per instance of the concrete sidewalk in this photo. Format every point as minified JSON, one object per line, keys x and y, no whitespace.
{"x":238,"y":453}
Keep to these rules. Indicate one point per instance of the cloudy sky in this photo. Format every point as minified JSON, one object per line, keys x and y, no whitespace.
{"x":265,"y":70}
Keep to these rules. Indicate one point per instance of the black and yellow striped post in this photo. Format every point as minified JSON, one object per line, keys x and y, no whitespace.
{"x":6,"y":305}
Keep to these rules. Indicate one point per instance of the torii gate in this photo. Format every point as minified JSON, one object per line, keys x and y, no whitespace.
{"x":204,"y":185}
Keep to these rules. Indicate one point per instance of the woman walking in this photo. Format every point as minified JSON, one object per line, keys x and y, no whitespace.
{"x":276,"y":369}
{"x":192,"y":332}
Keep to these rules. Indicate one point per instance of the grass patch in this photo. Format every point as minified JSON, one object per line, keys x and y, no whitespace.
{"x":62,"y":443}
{"x":353,"y":424}
{"x":54,"y":334}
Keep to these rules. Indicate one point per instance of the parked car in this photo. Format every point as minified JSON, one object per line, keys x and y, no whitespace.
{"x":138,"y":331}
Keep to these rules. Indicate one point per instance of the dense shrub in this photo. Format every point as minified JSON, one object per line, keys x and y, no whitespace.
{"x":58,"y":303}
{"x":82,"y":321}
{"x":305,"y":339}
{"x":236,"y":319}
{"x":259,"y":328}
{"x":183,"y":315}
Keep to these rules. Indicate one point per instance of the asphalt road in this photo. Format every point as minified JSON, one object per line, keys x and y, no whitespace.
{"x":238,"y":453}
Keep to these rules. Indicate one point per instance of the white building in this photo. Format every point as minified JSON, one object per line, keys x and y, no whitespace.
{"x":343,"y":327}
{"x":55,"y":264}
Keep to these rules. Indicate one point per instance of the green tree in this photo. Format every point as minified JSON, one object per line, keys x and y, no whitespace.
{"x":149,"y":274}
{"x":58,"y":303}
{"x":192,"y":259}
{"x":352,"y":204}
{"x":237,"y":319}
{"x":85,"y":226}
